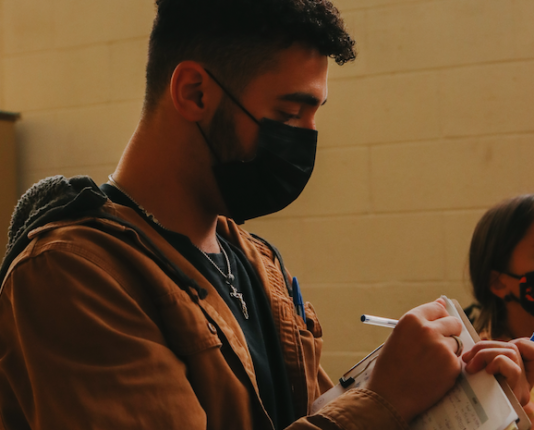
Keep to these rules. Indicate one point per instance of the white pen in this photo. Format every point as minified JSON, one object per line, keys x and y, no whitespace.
{"x":379,"y":321}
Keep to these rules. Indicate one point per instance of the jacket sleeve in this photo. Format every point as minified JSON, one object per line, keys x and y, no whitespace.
{"x":78,"y":351}
{"x":355,"y":410}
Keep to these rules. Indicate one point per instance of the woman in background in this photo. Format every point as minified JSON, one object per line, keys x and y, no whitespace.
{"x":501,"y":267}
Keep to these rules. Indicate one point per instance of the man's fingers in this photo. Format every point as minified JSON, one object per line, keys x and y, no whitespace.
{"x":490,"y":345}
{"x":448,"y":326}
{"x":431,"y":311}
{"x":526,"y":348}
{"x":513,"y":373}
{"x":484,"y":358}
{"x":500,"y":358}
{"x":432,"y":320}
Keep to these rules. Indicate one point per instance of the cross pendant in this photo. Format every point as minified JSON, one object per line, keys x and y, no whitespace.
{"x":239,"y":296}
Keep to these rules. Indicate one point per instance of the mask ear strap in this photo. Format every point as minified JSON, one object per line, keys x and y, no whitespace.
{"x":210,"y":146}
{"x":229,"y":94}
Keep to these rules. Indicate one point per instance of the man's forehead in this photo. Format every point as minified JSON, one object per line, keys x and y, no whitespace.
{"x":300,"y":76}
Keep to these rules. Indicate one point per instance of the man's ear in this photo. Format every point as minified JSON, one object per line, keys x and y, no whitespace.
{"x":497,"y":287}
{"x":192,"y":91}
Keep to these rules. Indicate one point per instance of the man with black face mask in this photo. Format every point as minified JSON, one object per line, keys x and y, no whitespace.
{"x":276,"y":175}
{"x":143,"y":305}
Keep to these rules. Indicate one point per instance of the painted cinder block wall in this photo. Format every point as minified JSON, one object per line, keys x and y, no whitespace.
{"x":430,"y":126}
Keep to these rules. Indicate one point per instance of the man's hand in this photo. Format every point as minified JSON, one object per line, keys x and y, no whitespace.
{"x":514,"y":360}
{"x":418,"y":363}
{"x":526,"y":349}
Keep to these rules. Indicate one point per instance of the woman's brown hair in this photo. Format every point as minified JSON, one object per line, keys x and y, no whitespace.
{"x":495,"y":237}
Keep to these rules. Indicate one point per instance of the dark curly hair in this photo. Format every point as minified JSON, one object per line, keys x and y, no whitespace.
{"x":237,"y":38}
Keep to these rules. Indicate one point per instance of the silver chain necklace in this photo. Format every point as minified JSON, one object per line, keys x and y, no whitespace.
{"x":228,"y":278}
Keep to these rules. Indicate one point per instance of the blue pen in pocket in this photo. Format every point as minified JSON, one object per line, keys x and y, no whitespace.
{"x":297,"y":299}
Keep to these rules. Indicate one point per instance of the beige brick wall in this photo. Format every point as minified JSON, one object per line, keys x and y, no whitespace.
{"x":431,"y":125}
{"x":75,"y":69}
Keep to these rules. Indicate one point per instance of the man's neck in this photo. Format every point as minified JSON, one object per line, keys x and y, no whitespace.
{"x":169,"y":175}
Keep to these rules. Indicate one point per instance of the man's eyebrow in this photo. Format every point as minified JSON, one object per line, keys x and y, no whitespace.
{"x":305,"y":98}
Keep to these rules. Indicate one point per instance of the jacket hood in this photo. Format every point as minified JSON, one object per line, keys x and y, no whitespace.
{"x":49,"y":200}
{"x":56,"y":199}
{"x":45,"y":195}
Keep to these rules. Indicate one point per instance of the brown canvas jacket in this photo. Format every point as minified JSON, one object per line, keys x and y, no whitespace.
{"x":104,"y":325}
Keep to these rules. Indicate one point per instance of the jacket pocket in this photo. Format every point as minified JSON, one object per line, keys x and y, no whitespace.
{"x":312,"y":322}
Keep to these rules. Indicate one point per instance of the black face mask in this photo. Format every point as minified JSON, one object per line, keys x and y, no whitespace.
{"x":526,"y":292}
{"x":275,"y":177}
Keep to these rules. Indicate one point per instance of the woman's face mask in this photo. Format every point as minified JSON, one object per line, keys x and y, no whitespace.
{"x":526,"y":292}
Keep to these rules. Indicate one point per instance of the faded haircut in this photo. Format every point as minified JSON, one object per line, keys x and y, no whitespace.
{"x":236,"y":39}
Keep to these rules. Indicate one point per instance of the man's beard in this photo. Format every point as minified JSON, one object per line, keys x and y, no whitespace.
{"x":222,"y":133}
